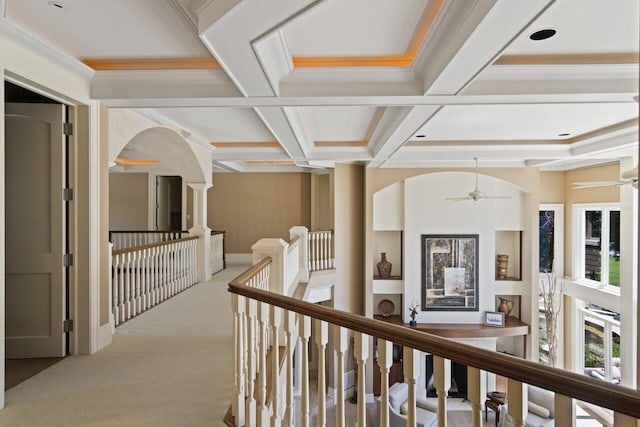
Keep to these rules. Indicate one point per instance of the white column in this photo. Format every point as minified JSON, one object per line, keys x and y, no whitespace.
{"x":340,"y":344}
{"x":201,"y":230}
{"x":277,"y":250}
{"x":303,"y":233}
{"x":385,"y":360}
{"x":322,"y":338}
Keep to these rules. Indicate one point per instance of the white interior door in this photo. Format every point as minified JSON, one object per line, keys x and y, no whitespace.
{"x":35,"y":297}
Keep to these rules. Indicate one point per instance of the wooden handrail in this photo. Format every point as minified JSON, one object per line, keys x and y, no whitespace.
{"x":152,"y":245}
{"x":243,"y":278}
{"x":616,"y":397}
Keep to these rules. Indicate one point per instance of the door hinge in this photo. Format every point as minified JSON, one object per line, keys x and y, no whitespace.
{"x":67,"y":194}
{"x":67,"y":260}
{"x":67,"y":325}
{"x":67,"y":129}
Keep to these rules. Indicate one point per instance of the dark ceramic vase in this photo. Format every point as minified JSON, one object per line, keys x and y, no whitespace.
{"x":384,"y":267}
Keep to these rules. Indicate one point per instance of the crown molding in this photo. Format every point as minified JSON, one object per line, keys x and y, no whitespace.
{"x":33,"y":44}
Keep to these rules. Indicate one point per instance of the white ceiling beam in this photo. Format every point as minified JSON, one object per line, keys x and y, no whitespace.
{"x":368,"y":101}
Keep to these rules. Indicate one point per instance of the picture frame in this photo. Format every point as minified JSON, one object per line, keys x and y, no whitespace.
{"x":494,"y":318}
{"x":450,"y":272}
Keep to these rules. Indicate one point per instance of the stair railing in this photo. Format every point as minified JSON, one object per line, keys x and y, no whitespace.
{"x":253,"y":306}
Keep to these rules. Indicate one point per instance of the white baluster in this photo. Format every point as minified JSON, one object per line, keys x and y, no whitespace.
{"x":127,"y":290}
{"x":122,"y":287}
{"x":385,"y":360}
{"x":411,"y":370}
{"x":331,"y":260}
{"x":442,"y":383}
{"x":322,"y":338}
{"x":564,"y":410}
{"x":144,"y":279}
{"x":237,"y":407}
{"x":289,"y":328}
{"x":153,"y":280}
{"x":305,"y":332}
{"x":117,"y":271}
{"x":263,"y":411}
{"x":361,"y":352}
{"x":250,"y":412}
{"x":138,"y":300}
{"x":517,"y":402}
{"x":475,"y":395}
{"x":340,"y":344}
{"x":276,"y":321}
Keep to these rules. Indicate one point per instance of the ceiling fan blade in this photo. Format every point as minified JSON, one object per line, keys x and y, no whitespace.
{"x":459,"y":199}
{"x":594,"y":184}
{"x":630,"y":174}
{"x":497,"y":197}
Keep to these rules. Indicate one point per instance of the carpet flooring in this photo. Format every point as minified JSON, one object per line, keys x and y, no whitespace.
{"x":170,"y":366}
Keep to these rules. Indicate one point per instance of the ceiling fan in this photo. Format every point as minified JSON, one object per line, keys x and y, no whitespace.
{"x":476,"y":194}
{"x":629,"y":176}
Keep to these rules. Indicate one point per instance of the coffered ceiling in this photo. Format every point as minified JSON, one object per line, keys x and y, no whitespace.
{"x":281,"y":85}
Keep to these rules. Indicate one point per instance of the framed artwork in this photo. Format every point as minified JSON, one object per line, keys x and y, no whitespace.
{"x":492,"y":318}
{"x":450,"y":272}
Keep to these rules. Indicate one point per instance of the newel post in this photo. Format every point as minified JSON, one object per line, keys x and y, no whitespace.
{"x":201,"y":230}
{"x":277,"y":250}
{"x":303,"y":233}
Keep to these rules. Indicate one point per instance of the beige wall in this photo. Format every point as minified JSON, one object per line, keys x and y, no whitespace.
{"x":251,"y":206}
{"x":552,"y":187}
{"x":349,"y":238}
{"x":128,"y":201}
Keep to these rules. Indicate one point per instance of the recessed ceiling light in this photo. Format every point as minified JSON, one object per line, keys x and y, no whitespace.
{"x":56,"y":4}
{"x":564,"y":134}
{"x":543,"y":34}
{"x":421,"y":136}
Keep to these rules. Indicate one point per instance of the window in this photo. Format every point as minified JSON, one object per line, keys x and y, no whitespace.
{"x":598,"y":257}
{"x":601,"y":343}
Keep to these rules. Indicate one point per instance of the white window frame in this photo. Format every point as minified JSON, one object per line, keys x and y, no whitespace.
{"x":608,"y":328}
{"x":579,"y":230}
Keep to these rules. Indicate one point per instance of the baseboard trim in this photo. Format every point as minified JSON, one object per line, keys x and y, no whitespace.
{"x":105,"y":335}
{"x":238,"y":259}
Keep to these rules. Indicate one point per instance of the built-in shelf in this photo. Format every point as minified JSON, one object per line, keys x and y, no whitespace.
{"x":508,"y":287}
{"x":388,"y":242}
{"x":388,"y":286}
{"x":513,"y":327}
{"x":508,"y":243}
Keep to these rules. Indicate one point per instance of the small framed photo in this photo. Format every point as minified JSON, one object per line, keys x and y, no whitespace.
{"x":492,"y":318}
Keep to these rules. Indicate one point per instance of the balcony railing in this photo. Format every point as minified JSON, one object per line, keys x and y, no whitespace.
{"x":133,"y":238}
{"x":261,"y":317}
{"x":144,"y":276}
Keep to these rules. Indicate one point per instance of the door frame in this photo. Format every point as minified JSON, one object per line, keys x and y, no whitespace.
{"x":88,"y":214}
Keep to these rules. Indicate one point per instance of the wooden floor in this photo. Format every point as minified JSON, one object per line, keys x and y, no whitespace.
{"x":19,"y":370}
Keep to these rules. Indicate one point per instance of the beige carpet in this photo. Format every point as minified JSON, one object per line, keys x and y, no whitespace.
{"x":171,"y":366}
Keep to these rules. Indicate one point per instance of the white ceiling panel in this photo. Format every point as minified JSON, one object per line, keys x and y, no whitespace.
{"x":109,"y":29}
{"x":355,"y":28}
{"x":522,"y":122}
{"x":583,"y":26}
{"x":221,"y":124}
{"x":340,"y":123}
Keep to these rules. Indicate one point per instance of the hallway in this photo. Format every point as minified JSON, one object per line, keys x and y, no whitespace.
{"x":171,"y":366}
